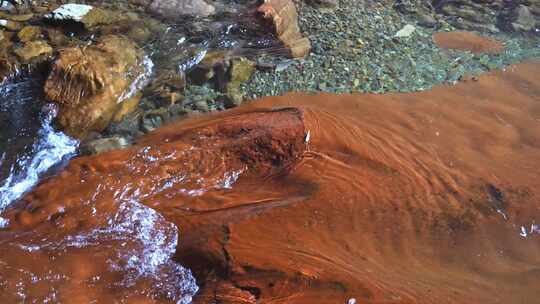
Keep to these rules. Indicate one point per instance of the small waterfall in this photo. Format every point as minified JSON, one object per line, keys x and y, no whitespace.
{"x":30,"y":145}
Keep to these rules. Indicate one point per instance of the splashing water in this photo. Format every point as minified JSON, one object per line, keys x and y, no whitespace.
{"x":32,"y":146}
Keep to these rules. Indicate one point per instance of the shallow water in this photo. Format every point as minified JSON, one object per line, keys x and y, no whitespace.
{"x":400,"y":198}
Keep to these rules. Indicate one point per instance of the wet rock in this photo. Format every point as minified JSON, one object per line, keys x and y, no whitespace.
{"x":285,"y":19}
{"x":101,"y":145}
{"x":89,"y":83}
{"x":524,"y":19}
{"x":175,"y":8}
{"x":127,"y":106}
{"x":240,"y":72}
{"x":29,"y":33}
{"x":152,"y":120}
{"x":33,"y":49}
{"x":10,"y":25}
{"x":14,"y":17}
{"x":70,"y":12}
{"x":56,"y":37}
{"x":88,"y":15}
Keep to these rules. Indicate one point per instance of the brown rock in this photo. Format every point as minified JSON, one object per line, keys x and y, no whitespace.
{"x":467,"y":41}
{"x":29,"y":33}
{"x":33,"y":49}
{"x":88,"y":83}
{"x":285,"y":19}
{"x":13,"y":17}
{"x":10,"y":25}
{"x":240,"y":72}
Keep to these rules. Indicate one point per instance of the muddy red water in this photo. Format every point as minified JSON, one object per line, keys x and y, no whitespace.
{"x":429,"y":197}
{"x":467,"y":41}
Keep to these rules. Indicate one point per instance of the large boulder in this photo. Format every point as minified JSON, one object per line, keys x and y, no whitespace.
{"x":91,"y":83}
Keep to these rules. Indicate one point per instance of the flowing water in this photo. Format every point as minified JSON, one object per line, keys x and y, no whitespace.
{"x":428,"y":197}
{"x":400,"y":198}
{"x":30,"y":144}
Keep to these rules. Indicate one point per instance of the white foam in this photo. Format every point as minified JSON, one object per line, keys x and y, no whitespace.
{"x":51,"y":147}
{"x":140,"y":81}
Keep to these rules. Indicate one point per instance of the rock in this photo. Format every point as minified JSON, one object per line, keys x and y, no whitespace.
{"x":14,"y":17}
{"x":406,"y":31}
{"x":101,"y":145}
{"x":126,"y":107}
{"x":2,"y":35}
{"x":467,"y":41}
{"x":176,"y":8}
{"x":86,"y":14}
{"x":426,"y":20}
{"x":33,"y":49}
{"x":56,"y":37}
{"x":153,"y":119}
{"x":240,"y":72}
{"x":201,"y":105}
{"x":285,"y":19}
{"x":29,"y":33}
{"x":70,"y":12}
{"x":524,"y":20}
{"x":89,"y":83}
{"x":10,"y":25}
{"x":324,"y":3}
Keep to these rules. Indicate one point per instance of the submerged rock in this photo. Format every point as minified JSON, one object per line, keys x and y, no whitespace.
{"x":176,"y":8}
{"x":90,"y":83}
{"x":285,"y":19}
{"x":101,"y":145}
{"x":10,"y":25}
{"x":29,"y":33}
{"x":240,"y":72}
{"x":33,"y":49}
{"x":86,"y":14}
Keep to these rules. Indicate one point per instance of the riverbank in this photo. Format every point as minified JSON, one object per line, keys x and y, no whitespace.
{"x":401,"y":198}
{"x":357,"y":48}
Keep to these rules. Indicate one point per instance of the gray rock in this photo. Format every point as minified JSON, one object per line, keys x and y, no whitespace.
{"x":524,"y":20}
{"x":101,"y":145}
{"x":426,"y":20}
{"x":175,"y":8}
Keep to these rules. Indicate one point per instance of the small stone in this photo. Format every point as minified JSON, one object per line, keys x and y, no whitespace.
{"x":10,"y":25}
{"x":72,"y":12}
{"x":33,"y":49}
{"x":29,"y":33}
{"x":241,"y":71}
{"x":202,"y":105}
{"x":85,"y":14}
{"x":153,"y":119}
{"x":406,"y":31}
{"x":426,"y":20}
